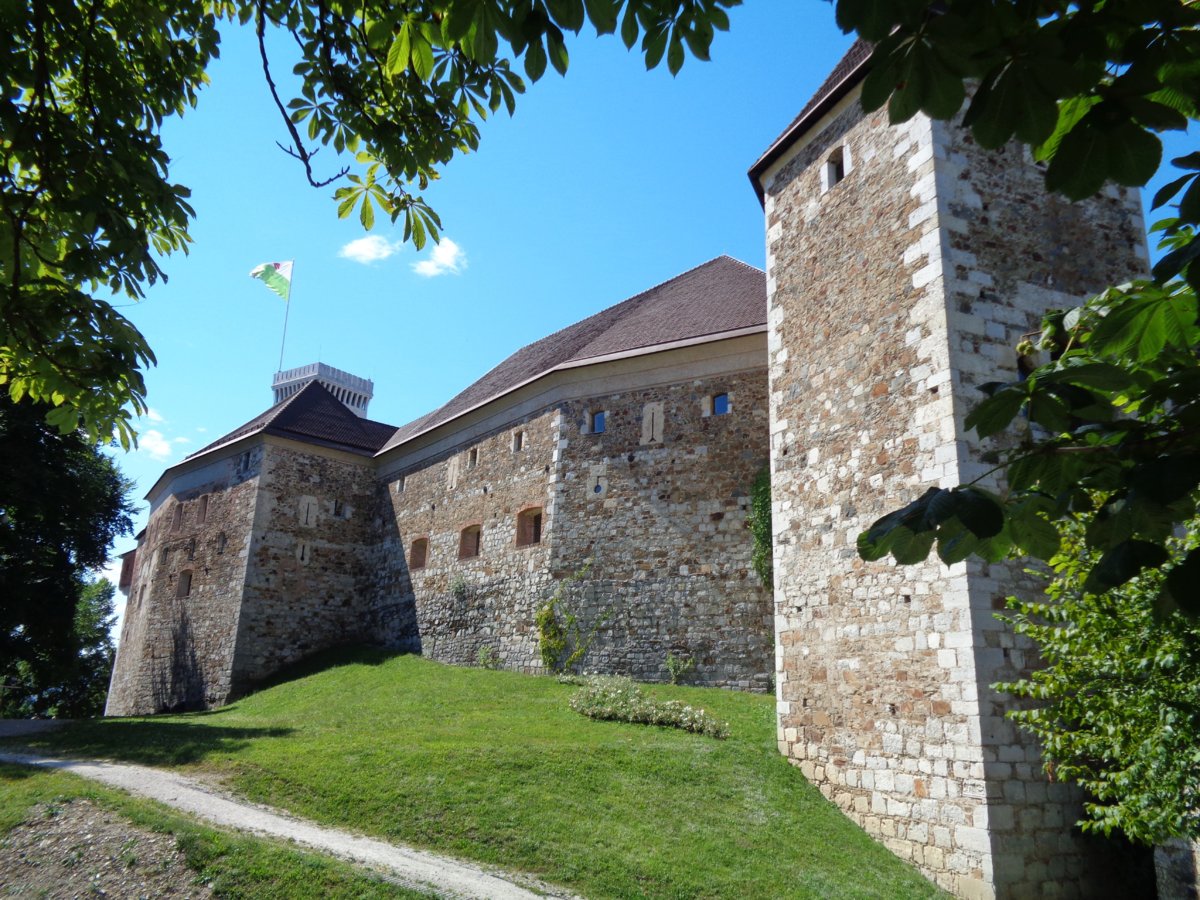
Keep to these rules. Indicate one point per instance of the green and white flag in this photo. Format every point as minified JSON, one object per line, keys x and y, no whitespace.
{"x":277,"y":276}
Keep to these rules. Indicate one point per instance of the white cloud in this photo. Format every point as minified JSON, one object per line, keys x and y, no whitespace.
{"x":154,"y":415}
{"x":369,"y":249}
{"x":447,"y":257}
{"x":181,"y":440}
{"x":153,"y":442}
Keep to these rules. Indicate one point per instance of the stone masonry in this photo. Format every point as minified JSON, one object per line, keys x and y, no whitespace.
{"x":893,"y":293}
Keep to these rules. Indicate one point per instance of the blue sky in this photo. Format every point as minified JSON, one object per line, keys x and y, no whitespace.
{"x":604,"y":183}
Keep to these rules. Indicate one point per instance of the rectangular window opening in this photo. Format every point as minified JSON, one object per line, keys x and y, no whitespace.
{"x":720,"y":404}
{"x":418,"y":553}
{"x":529,"y":527}
{"x":596,"y":421}
{"x":468,"y":542}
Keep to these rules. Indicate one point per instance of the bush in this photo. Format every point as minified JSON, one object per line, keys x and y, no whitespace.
{"x":620,"y":700}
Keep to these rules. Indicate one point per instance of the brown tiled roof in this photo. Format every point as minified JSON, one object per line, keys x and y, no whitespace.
{"x":313,"y":415}
{"x":719,"y":296}
{"x":847,"y":73}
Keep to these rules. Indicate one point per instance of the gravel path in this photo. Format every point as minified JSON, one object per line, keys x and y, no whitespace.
{"x":417,"y":869}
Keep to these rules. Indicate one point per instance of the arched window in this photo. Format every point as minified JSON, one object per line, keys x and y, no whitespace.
{"x":469,"y":541}
{"x":418,"y":553}
{"x":529,"y":527}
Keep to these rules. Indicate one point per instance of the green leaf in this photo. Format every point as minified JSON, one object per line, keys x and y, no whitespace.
{"x":1080,"y":166}
{"x":629,"y":28}
{"x":979,"y":512}
{"x":603,"y":15}
{"x":400,"y":52}
{"x":1167,"y":191}
{"x":955,"y":542}
{"x":1134,"y":155}
{"x":909,"y":547}
{"x":1123,"y":562}
{"x":995,"y":413}
{"x":366,"y":215}
{"x":1033,"y":534}
{"x":1183,"y":583}
{"x":535,"y":60}
{"x":675,"y":54}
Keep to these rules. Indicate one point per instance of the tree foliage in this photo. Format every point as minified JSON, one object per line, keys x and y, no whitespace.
{"x":74,"y":687}
{"x":1119,"y":695}
{"x":393,"y":89}
{"x":759,"y":523}
{"x":62,"y":503}
{"x":1114,"y":407}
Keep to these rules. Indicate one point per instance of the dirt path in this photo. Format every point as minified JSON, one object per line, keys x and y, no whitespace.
{"x":417,"y":869}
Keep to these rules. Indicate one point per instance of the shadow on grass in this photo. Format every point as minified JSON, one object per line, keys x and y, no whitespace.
{"x":324,"y":660}
{"x":150,"y":742}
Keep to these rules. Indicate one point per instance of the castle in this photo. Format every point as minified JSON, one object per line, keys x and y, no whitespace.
{"x":904,"y":264}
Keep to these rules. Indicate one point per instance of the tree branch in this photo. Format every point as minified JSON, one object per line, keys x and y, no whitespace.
{"x":301,"y":152}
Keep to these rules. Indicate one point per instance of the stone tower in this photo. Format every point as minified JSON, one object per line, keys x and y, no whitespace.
{"x":354,"y":392}
{"x":904,"y":263}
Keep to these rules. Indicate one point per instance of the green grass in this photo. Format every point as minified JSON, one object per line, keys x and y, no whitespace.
{"x":495,"y":767}
{"x":232,"y":866}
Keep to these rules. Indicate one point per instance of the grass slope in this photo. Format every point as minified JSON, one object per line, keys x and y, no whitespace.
{"x":232,"y":866}
{"x":494,"y":766}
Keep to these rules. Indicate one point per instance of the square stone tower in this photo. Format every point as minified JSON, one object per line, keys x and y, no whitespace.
{"x":904,"y":264}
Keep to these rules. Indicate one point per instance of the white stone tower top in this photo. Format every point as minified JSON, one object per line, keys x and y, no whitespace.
{"x":355,"y":392}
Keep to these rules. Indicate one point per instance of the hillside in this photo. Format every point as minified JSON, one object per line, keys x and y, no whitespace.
{"x":495,"y":767}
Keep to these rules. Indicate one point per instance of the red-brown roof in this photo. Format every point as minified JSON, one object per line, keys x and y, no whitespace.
{"x":850,"y":69}
{"x":313,"y":415}
{"x":719,"y":296}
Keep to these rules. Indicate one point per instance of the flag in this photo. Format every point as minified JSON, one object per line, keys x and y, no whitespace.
{"x":276,"y":276}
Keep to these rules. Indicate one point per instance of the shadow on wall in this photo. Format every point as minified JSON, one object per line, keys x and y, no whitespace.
{"x":178,"y":682}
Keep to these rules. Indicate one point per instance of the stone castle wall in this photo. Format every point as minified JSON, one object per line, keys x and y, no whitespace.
{"x":308,"y":586}
{"x":666,"y":534}
{"x":489,"y":600}
{"x":177,"y":643}
{"x":658,"y":502}
{"x":892,"y":293}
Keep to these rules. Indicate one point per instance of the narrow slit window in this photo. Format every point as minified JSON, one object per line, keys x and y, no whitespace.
{"x":472,"y":457}
{"x":529,"y":527}
{"x":203,"y":514}
{"x":418,"y":553}
{"x":177,"y":517}
{"x":191,"y":549}
{"x":469,"y":542}
{"x":518,"y":441}
{"x":400,"y":485}
{"x":221,"y":543}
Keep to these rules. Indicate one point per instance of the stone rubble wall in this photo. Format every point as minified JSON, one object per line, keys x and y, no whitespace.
{"x":874,"y":342}
{"x":177,"y":652}
{"x":307,"y":581}
{"x":658,"y":502}
{"x":463,"y":605}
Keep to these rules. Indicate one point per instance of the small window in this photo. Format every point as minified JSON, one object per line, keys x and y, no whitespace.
{"x":400,"y":485}
{"x":518,"y":441}
{"x":720,"y":404}
{"x":191,"y":549}
{"x":303,"y":553}
{"x":472,"y":457}
{"x":221,"y":542}
{"x":596,"y":420}
{"x":339,"y":509}
{"x":164,"y":555}
{"x":529,"y":527}
{"x":184,"y":587}
{"x":468,"y":542}
{"x":418,"y":553}
{"x":243,"y":463}
{"x":836,"y":166}
{"x":203,"y":514}
{"x":177,"y":517}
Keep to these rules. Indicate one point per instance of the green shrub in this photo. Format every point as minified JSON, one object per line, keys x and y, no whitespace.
{"x":562,"y":640}
{"x":620,"y":700}
{"x":678,"y":666}
{"x":487,"y":657}
{"x":759,"y":523}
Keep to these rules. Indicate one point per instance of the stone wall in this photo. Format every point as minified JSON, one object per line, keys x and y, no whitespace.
{"x":892,"y":293}
{"x":177,"y":644}
{"x":308,"y":585}
{"x":488,"y":600}
{"x":658,"y":502}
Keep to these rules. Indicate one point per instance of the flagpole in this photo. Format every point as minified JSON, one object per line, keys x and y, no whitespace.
{"x":287,"y":308}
